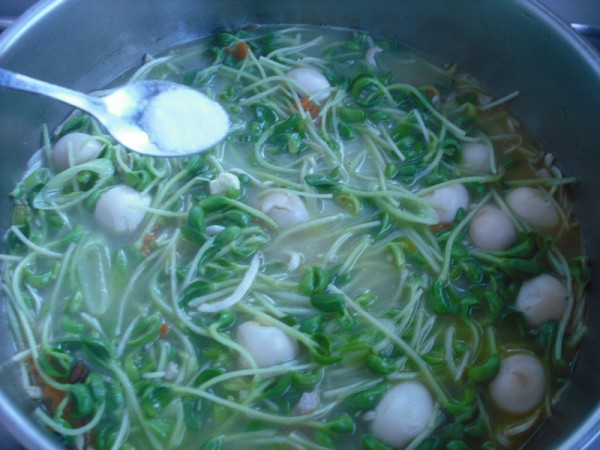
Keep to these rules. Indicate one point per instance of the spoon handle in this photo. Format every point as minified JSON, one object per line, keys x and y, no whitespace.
{"x":21,"y":82}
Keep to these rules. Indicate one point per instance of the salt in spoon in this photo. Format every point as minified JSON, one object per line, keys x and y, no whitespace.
{"x":156,"y":118}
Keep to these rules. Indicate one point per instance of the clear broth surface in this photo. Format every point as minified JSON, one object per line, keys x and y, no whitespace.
{"x":117,"y":348}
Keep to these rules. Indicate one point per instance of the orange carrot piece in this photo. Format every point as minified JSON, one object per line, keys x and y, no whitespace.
{"x":441,"y":226}
{"x":164,"y":329}
{"x":310,"y":107}
{"x":240,"y":51}
{"x":314,"y":111}
{"x":305,"y":102}
{"x":148,"y":240}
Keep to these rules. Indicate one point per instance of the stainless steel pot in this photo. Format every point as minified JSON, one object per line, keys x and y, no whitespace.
{"x":508,"y":45}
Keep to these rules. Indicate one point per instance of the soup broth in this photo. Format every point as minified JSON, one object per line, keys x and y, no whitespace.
{"x":377,"y":256}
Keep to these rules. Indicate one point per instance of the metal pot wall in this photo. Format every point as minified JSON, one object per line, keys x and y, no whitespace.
{"x":508,"y":45}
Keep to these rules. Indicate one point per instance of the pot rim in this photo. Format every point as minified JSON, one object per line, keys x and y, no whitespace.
{"x":22,"y":426}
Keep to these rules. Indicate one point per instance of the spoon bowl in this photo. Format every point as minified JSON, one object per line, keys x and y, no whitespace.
{"x":194,"y":122}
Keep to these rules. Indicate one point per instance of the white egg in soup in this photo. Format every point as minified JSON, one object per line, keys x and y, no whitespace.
{"x":267,"y":345}
{"x":542,"y":299}
{"x":520,"y":384}
{"x":448,"y":200}
{"x":476,"y":156}
{"x":311,"y":81}
{"x":75,"y":148}
{"x":121,"y":209}
{"x":492,"y":229}
{"x":534,"y":207}
{"x":402,"y":414}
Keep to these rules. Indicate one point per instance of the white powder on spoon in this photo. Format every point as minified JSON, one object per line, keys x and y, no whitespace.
{"x":180,"y":121}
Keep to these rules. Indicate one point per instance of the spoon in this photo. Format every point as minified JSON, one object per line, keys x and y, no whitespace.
{"x":156,"y":118}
